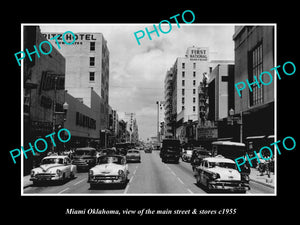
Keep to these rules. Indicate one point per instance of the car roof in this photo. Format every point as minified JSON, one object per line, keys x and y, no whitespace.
{"x":218,"y":159}
{"x":112,"y":155}
{"x":230,"y":143}
{"x":85,"y":148}
{"x":56,"y":156}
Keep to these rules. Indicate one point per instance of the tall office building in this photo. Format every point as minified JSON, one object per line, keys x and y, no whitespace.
{"x":184,"y":78}
{"x":87,"y":68}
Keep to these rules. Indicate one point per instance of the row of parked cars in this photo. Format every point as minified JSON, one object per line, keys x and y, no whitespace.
{"x":108,"y":166}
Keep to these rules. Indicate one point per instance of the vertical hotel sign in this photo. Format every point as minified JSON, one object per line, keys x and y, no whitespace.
{"x":198,"y":54}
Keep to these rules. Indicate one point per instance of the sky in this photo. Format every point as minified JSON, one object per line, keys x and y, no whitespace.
{"x":137,"y":72}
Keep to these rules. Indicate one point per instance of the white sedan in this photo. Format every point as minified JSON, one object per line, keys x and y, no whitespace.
{"x":219,"y":173}
{"x":53,"y":168}
{"x":110,"y":169}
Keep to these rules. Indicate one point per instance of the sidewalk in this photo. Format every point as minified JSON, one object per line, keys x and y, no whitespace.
{"x":255,"y":176}
{"x":26,"y":181}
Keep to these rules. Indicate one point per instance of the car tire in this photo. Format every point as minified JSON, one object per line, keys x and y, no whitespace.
{"x":198,"y":181}
{"x":208,"y":187}
{"x":92,"y":186}
{"x":63,"y":179}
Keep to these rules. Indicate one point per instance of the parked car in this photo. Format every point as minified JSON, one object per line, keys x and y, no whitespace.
{"x":84,"y":158}
{"x":133,"y":155}
{"x":110,"y":169}
{"x":219,"y":173}
{"x":187,"y":155}
{"x":53,"y":168}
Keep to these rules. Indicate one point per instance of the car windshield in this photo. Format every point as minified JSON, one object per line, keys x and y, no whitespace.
{"x":82,"y":152}
{"x":133,"y":151}
{"x":111,"y":159}
{"x":52,"y":161}
{"x":222,"y":164}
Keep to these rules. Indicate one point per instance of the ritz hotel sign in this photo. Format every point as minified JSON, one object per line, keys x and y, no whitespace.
{"x":78,"y":37}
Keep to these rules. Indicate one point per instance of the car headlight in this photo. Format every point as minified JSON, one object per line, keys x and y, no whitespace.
{"x":58,"y":172}
{"x":91,"y":172}
{"x":120,"y":172}
{"x":215,"y":176}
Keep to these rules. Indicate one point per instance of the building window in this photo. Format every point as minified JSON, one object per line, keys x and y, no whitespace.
{"x":194,"y":73}
{"x":92,"y":61}
{"x":182,"y":92}
{"x":194,"y":99}
{"x":194,"y":82}
{"x":183,"y":65}
{"x":224,"y":78}
{"x":255,"y":69}
{"x":194,"y":65}
{"x":92,"y":76}
{"x":92,"y":46}
{"x":183,"y":83}
{"x":182,"y":108}
{"x":182,"y":100}
{"x":194,"y":108}
{"x":183,"y":74}
{"x":194,"y":91}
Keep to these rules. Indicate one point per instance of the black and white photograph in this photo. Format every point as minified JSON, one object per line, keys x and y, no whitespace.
{"x":110,"y":111}
{"x":130,"y":112}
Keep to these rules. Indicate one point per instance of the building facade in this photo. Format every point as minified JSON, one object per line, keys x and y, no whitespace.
{"x":83,"y":121}
{"x":220,"y":91}
{"x":169,"y":115}
{"x":44,"y":84}
{"x":254,"y":53}
{"x":87,"y":66}
{"x":181,"y":85}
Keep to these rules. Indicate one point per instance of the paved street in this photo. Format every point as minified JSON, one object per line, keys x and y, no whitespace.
{"x":151,"y":176}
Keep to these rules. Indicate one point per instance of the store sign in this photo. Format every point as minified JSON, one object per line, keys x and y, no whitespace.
{"x":198,"y":54}
{"x":207,"y":133}
{"x":78,"y":37}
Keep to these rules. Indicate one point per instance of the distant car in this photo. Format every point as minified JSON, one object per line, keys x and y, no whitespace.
{"x":85,"y":158}
{"x":133,"y":156}
{"x":148,"y":150}
{"x":110,"y":169}
{"x":187,"y":155}
{"x":53,"y":168}
{"x":219,"y":173}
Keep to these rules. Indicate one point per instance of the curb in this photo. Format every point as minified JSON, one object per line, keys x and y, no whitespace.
{"x":262,"y":183}
{"x":26,"y":183}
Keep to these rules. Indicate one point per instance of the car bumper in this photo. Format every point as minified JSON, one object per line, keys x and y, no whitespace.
{"x":171,"y":157}
{"x":228,"y":186}
{"x":46,"y":178}
{"x":133,"y":159}
{"x":83,"y":166}
{"x":107,"y":180}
